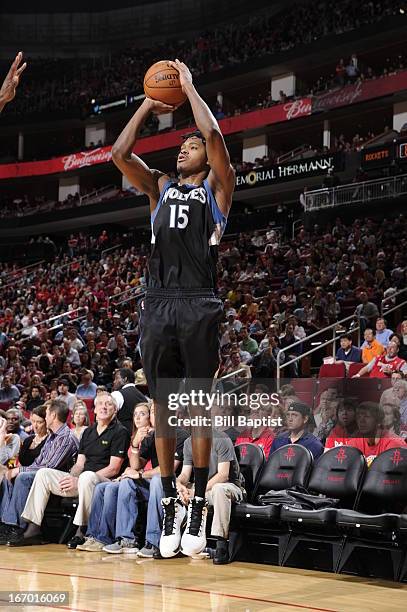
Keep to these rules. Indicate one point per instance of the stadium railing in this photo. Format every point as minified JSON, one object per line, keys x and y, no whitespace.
{"x":61,"y":318}
{"x":20,"y":271}
{"x":336,"y":329}
{"x":356,"y":193}
{"x":135,"y":292}
{"x":385,"y":310}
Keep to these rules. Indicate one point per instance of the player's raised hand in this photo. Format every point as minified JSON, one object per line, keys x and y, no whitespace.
{"x":159,"y":108}
{"x":185,"y":75}
{"x":10,"y":84}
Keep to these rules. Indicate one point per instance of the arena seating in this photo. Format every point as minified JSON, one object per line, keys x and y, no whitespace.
{"x":374,"y":523}
{"x":378,"y":495}
{"x":289,"y":466}
{"x":251,"y":461}
{"x":336,"y":474}
{"x":334,"y":370}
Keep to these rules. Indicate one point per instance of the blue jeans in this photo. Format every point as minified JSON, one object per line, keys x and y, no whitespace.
{"x":14,"y":498}
{"x":115,"y":508}
{"x":155,"y":511}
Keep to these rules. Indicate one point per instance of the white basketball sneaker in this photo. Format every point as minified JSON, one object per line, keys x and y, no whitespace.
{"x":194,"y":538}
{"x":174,"y":514}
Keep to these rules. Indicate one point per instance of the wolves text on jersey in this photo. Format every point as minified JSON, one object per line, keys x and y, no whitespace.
{"x":195,"y":194}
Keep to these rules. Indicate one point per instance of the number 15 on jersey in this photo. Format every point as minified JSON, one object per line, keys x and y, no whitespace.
{"x":179,"y":215}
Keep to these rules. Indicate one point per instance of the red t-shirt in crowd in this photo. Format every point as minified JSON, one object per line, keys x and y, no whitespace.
{"x":371,"y":451}
{"x":265,"y":440}
{"x":337,"y":437}
{"x":397,"y":364}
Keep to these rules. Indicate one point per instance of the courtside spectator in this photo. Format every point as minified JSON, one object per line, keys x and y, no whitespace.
{"x":80,"y":418}
{"x":298,"y":416}
{"x":14,"y":423}
{"x":384,"y":365}
{"x":390,"y":395}
{"x":400,"y":391}
{"x":58,"y":450}
{"x":371,"y":348}
{"x":115,"y":504}
{"x":391,"y":422}
{"x":371,"y":438}
{"x":347,"y":352}
{"x":383,"y":334}
{"x":101,"y":453}
{"x":32,"y":446}
{"x":261,"y":435}
{"x":9,"y":444}
{"x":345,"y":424}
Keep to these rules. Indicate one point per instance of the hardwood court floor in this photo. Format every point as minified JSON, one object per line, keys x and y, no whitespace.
{"x":115,"y":583}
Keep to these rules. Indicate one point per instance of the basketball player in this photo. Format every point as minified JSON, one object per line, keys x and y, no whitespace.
{"x":10,"y":83}
{"x":181,"y":316}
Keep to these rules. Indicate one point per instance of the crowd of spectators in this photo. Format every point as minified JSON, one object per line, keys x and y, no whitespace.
{"x":69,"y":353}
{"x":353,"y":71}
{"x":275,"y":292}
{"x":72,"y":84}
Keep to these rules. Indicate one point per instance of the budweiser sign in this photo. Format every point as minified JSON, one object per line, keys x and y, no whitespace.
{"x":298,"y":108}
{"x":363,"y":90}
{"x":87,"y":158}
{"x":342,"y":97}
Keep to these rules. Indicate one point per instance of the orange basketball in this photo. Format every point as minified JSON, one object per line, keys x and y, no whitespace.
{"x":161,"y":82}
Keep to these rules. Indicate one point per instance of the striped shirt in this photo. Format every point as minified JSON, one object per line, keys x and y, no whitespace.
{"x":57,"y":450}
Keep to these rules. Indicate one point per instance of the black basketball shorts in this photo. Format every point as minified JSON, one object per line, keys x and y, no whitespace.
{"x":179,"y":337}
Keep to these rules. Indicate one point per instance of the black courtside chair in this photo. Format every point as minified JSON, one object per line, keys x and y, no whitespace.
{"x":260,"y":525}
{"x":338,"y":474}
{"x":251,"y":461}
{"x":371,"y":530}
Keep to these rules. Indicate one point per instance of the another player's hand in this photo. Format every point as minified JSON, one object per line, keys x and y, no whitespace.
{"x":8,"y":89}
{"x":185,"y":76}
{"x":159,"y":108}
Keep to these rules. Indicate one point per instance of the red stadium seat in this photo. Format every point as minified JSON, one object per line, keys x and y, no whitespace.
{"x":305,"y":390}
{"x":5,"y":405}
{"x":354,"y":368}
{"x":332,"y":370}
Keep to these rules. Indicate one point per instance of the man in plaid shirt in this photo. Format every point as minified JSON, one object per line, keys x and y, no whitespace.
{"x":58,"y":452}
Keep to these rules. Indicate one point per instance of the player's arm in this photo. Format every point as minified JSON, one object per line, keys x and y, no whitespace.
{"x":10,"y":83}
{"x":222,"y":175}
{"x":135,"y":170}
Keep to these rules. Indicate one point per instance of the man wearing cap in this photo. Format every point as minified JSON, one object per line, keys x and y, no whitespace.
{"x":87,"y":388}
{"x":298,"y":415}
{"x":64,"y":395}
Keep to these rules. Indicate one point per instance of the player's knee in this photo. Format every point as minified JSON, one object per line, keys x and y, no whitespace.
{"x":218,"y":490}
{"x":86,"y":478}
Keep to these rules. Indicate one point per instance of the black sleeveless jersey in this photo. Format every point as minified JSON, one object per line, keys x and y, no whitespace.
{"x":186,"y":226}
